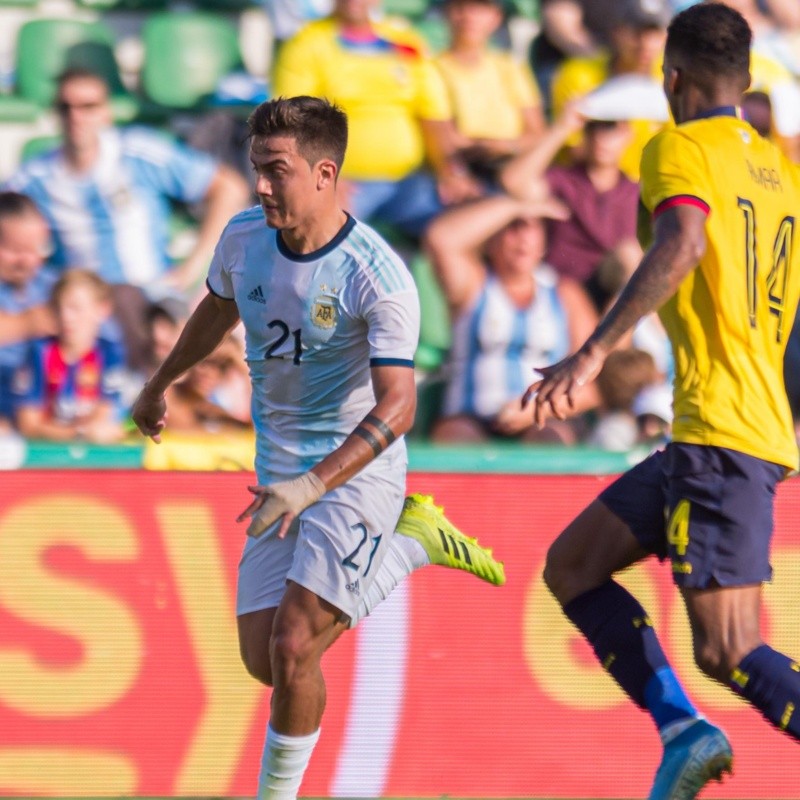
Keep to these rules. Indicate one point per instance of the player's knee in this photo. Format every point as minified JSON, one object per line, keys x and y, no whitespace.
{"x":291,"y":649}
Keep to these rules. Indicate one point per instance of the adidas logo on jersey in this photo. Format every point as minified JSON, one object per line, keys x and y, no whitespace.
{"x":258,"y":295}
{"x":354,"y":587}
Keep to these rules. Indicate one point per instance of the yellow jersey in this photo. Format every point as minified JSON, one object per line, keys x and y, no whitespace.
{"x":730,"y":318}
{"x":488,"y":97}
{"x":385,"y":83}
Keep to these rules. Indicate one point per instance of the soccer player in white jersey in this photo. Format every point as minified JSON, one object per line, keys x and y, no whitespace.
{"x":331,"y":318}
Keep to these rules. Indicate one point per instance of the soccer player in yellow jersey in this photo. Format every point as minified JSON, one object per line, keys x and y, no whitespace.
{"x":724,"y":271}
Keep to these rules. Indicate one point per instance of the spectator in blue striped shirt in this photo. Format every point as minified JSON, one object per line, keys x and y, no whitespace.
{"x":106,"y":193}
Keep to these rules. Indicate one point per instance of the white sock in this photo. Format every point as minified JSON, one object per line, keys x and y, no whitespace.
{"x":283,"y":764}
{"x":404,"y":556}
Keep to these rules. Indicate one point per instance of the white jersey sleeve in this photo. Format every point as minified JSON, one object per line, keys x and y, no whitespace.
{"x":219,"y":275}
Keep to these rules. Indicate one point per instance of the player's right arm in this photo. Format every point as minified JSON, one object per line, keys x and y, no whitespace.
{"x":678,"y":245}
{"x":210,"y":323}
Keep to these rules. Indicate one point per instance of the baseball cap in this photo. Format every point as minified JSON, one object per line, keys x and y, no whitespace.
{"x":643,"y":13}
{"x":626,"y":97}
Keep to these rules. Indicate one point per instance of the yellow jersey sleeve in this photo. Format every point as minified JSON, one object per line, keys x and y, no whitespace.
{"x":674,"y":172}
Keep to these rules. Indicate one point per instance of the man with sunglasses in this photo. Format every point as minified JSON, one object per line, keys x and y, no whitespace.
{"x":106,"y":193}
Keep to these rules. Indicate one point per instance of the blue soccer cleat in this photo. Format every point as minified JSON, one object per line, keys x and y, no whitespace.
{"x":694,"y":757}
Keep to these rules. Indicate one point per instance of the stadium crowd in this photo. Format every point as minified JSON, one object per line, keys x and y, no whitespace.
{"x":495,"y":144}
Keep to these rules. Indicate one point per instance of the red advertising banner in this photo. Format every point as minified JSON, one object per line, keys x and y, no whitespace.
{"x":120,"y":674}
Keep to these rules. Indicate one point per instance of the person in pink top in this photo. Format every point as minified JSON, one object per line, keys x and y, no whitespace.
{"x":596,"y":245}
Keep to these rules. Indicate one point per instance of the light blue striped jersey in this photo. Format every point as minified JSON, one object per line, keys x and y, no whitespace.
{"x":114,"y":218}
{"x":497,"y":346}
{"x":314,"y":324}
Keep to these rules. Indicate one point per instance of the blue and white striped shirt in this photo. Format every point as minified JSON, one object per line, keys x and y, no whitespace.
{"x":114,"y":218}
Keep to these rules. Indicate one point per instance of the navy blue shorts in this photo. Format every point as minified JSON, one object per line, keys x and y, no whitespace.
{"x":709,"y":509}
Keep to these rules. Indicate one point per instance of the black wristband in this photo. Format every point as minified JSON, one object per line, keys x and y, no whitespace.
{"x":382,"y":427}
{"x":370,"y":439}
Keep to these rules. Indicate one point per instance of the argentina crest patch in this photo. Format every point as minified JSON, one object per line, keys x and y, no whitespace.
{"x":324,"y":310}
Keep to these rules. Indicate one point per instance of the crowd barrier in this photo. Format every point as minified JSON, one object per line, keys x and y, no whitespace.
{"x":119,"y":670}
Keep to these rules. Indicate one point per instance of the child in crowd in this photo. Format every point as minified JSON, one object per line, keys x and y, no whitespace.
{"x":68,"y":387}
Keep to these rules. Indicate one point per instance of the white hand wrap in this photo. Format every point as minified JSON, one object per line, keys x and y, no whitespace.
{"x":286,"y":497}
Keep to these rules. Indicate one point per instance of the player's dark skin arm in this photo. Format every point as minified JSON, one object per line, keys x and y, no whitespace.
{"x":679,"y":243}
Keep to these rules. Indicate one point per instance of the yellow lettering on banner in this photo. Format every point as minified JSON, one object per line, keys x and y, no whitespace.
{"x":61,"y":771}
{"x":779,"y":629}
{"x":106,"y":629}
{"x":232,"y":696}
{"x":551,"y":644}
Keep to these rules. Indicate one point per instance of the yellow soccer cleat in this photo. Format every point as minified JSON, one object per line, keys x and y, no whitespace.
{"x":445,"y":545}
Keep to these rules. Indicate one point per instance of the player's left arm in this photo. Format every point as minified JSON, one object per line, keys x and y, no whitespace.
{"x":391,"y":417}
{"x":678,"y":245}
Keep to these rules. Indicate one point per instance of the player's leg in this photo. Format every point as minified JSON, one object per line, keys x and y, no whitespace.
{"x":341,"y":542}
{"x":303,"y":627}
{"x":623,"y":526}
{"x":424,"y":536}
{"x":261,"y":586}
{"x":720,"y":505}
{"x":255,"y":631}
{"x":728,"y":648}
{"x":726,"y":547}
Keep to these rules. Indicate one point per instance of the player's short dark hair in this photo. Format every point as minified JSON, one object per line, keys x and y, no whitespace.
{"x":713,"y":39}
{"x":15,"y":204}
{"x":318,"y":127}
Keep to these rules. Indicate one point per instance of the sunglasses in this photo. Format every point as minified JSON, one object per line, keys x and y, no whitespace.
{"x":64,"y":108}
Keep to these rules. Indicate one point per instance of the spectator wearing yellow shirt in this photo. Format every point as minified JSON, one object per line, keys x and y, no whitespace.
{"x":636,"y":44}
{"x":496,"y":104}
{"x":399,"y":117}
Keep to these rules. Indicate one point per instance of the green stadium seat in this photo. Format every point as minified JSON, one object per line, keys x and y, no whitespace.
{"x":430,"y":394}
{"x":186,"y":55}
{"x":435,"y":32}
{"x":17,"y":109}
{"x":46,"y":47}
{"x":411,"y":9}
{"x":37,"y":146}
{"x":435,"y":336}
{"x":529,"y":9}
